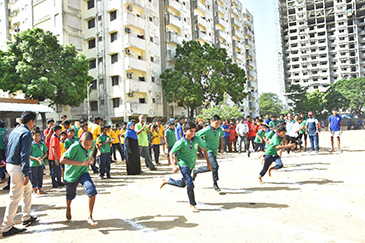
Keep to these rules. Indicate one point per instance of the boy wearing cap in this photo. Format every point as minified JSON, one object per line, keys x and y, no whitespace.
{"x":335,"y":128}
{"x":312,"y":128}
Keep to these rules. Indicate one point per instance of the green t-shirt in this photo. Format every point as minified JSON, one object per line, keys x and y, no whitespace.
{"x":187,"y":151}
{"x":37,"y":150}
{"x":77,"y":153}
{"x":69,"y":142}
{"x":271,"y":149}
{"x":76,"y":129}
{"x":304,"y":122}
{"x":106,"y":147}
{"x":260,"y":134}
{"x":2,"y":133}
{"x":211,"y":138}
{"x":143,"y":136}
{"x":272,"y":124}
{"x":170,"y":136}
{"x":270,"y":134}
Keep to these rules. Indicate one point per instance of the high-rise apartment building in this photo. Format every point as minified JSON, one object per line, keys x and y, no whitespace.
{"x":323,"y":41}
{"x":129,"y":43}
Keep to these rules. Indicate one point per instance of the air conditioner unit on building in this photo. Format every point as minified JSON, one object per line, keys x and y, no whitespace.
{"x":129,"y":75}
{"x":128,"y":30}
{"x":128,"y":51}
{"x":130,"y":8}
{"x":131,"y":94}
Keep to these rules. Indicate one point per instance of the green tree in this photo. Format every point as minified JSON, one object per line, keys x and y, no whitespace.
{"x":270,"y":103}
{"x":297,"y":98}
{"x":36,"y":64}
{"x":225,"y":112}
{"x":203,"y":73}
{"x":314,"y":102}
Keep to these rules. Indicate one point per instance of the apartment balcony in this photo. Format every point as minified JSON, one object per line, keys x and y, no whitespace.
{"x":220,"y":21}
{"x":171,"y":55}
{"x":134,"y":41}
{"x":198,"y":20}
{"x":173,"y":4}
{"x":236,"y":45}
{"x":137,"y":3}
{"x":132,"y":63}
{"x":221,"y":34}
{"x":173,"y":37}
{"x":134,"y":108}
{"x":201,"y":35}
{"x":235,"y":11}
{"x":131,"y":19}
{"x":174,"y":21}
{"x":134,"y":85}
{"x":235,"y":22}
{"x":200,"y":7}
{"x":221,"y":9}
{"x":362,"y":32}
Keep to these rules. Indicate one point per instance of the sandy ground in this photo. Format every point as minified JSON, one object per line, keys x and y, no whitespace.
{"x":315,"y":198}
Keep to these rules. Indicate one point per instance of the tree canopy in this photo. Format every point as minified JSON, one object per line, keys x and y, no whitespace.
{"x":203,"y":73}
{"x":225,"y":112}
{"x":270,"y":103}
{"x":36,"y":64}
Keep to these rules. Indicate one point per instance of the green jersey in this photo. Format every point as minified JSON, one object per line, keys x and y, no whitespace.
{"x":143,"y":136}
{"x":106,"y":147}
{"x":271,"y":149}
{"x":260,"y":134}
{"x":77,"y":153}
{"x":270,"y":134}
{"x":304,"y":122}
{"x":272,"y":124}
{"x":2,"y":133}
{"x":76,"y":129}
{"x":170,"y":137}
{"x":187,"y":151}
{"x":69,"y":142}
{"x":211,"y":138}
{"x":37,"y":150}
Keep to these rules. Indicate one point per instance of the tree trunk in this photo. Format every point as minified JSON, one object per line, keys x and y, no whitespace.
{"x":43,"y":115}
{"x":192,"y":112}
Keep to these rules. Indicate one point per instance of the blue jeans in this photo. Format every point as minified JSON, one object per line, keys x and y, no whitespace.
{"x":260,"y":146}
{"x":55,"y":174}
{"x":268,"y":161}
{"x":115,"y":147}
{"x":104,"y":164}
{"x":36,"y":176}
{"x":86,"y":181}
{"x":314,"y":141}
{"x":187,"y":180}
{"x":213,"y":163}
{"x":240,"y":140}
{"x":156,"y":152}
{"x":225,"y":143}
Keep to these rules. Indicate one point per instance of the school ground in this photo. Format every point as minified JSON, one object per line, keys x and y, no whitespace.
{"x":315,"y":198}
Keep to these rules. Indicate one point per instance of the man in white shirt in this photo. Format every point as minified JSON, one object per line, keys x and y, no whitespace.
{"x":294,"y":132}
{"x":242,"y":130}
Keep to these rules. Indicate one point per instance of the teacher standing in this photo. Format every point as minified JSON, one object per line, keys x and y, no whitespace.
{"x":131,"y":150}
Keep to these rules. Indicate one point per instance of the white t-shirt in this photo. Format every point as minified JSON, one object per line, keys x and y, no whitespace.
{"x":294,"y":129}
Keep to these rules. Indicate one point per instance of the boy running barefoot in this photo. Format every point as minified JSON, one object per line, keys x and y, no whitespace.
{"x":271,"y":154}
{"x":187,"y":149}
{"x":77,"y":159}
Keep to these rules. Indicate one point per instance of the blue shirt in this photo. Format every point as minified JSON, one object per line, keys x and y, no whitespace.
{"x":18,"y":149}
{"x":179,"y":130}
{"x":225,"y":134}
{"x":335,"y":122}
{"x":267,"y":121}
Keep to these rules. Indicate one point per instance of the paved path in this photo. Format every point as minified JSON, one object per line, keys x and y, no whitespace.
{"x":315,"y":198}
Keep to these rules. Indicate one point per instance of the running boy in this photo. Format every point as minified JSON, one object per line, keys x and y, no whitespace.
{"x":38,"y":152}
{"x":77,"y":158}
{"x":212,"y":136}
{"x":187,"y":149}
{"x":271,"y":154}
{"x":103,"y":143}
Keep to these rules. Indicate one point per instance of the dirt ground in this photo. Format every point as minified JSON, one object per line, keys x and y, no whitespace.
{"x":314,"y":198}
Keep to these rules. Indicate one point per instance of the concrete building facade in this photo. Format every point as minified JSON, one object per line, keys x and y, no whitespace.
{"x":322,"y":41}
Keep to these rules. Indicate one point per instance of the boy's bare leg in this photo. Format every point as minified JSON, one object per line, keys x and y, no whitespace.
{"x":68,"y":210}
{"x":90,"y":220}
{"x":194,"y":209}
{"x":339,"y":143}
{"x":164,"y":182}
{"x":333,"y":149}
{"x":272,"y":168}
{"x":260,"y":179}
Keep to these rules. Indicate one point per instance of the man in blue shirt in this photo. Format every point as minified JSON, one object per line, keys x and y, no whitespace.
{"x":179,"y":129}
{"x":335,"y":128}
{"x":312,"y":129}
{"x":267,"y":120}
{"x":225,"y":128}
{"x":17,"y":165}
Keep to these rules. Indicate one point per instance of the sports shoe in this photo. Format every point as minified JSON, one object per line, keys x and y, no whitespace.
{"x":249,"y":153}
{"x":13,"y":231}
{"x":29,"y":221}
{"x":216,"y":187}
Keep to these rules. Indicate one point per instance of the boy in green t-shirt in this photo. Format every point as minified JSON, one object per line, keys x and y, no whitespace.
{"x":271,"y":154}
{"x":38,"y":151}
{"x":212,"y":136}
{"x":186,"y":149}
{"x":170,"y":139}
{"x":103,"y":144}
{"x":259,"y":140}
{"x":71,"y":139}
{"x":77,"y":159}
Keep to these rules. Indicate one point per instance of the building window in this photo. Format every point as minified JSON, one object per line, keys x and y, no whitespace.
{"x":152,"y":79}
{"x":151,"y":19}
{"x":114,"y":58}
{"x":94,"y":84}
{"x":90,"y":4}
{"x":91,"y":23}
{"x":151,"y":38}
{"x":142,"y":100}
{"x":91,"y":43}
{"x":116,"y":102}
{"x":113,"y":36}
{"x":115,"y":80}
{"x":94,"y":105}
{"x":92,"y":64}
{"x":152,"y":59}
{"x":153,"y":100}
{"x":113,"y":15}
